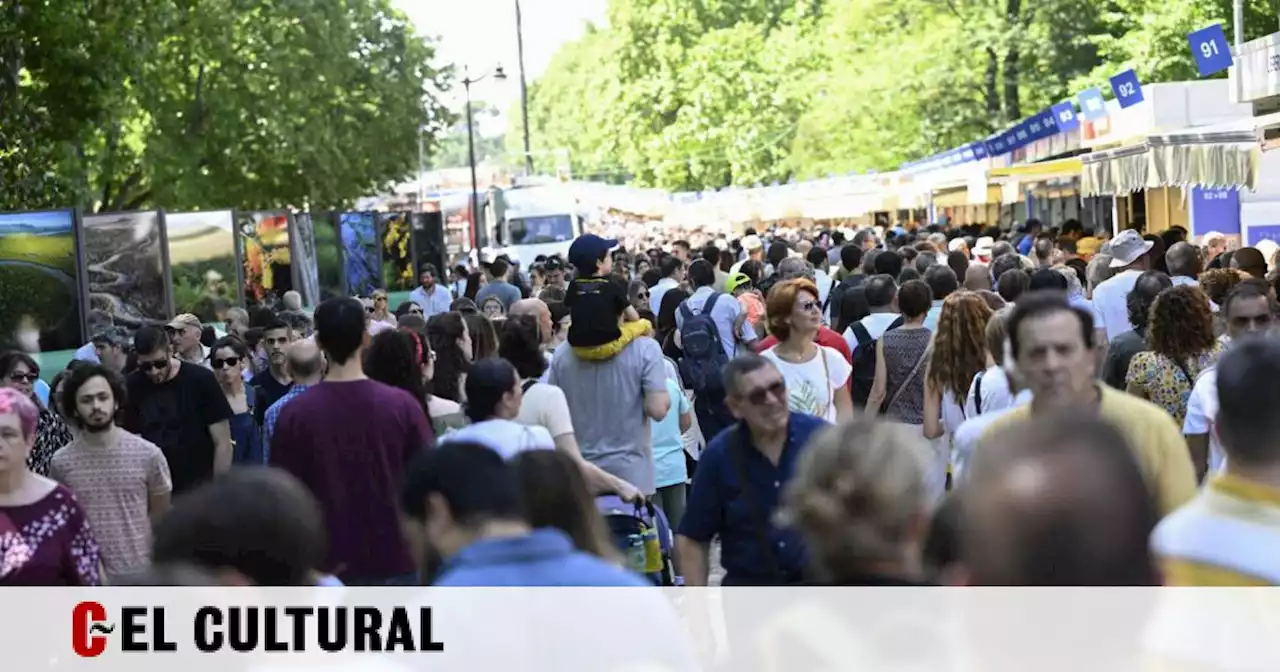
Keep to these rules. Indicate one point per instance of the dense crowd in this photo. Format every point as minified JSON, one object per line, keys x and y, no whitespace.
{"x":1050,"y":406}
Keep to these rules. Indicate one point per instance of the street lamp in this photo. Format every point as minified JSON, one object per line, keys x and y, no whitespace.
{"x":467,"y":81}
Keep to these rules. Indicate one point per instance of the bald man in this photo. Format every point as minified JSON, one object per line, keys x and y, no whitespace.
{"x":977,"y":277}
{"x":305,"y":364}
{"x":1060,"y":503}
{"x":538,"y":309}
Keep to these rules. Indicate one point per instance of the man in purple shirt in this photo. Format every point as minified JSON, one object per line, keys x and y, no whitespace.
{"x":348,"y":440}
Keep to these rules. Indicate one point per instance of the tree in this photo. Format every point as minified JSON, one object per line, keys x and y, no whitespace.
{"x":188,"y":104}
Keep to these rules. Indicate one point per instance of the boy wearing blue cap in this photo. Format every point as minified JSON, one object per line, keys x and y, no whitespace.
{"x":602,"y":321}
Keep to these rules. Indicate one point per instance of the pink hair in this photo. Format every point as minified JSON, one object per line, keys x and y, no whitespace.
{"x":13,"y":401}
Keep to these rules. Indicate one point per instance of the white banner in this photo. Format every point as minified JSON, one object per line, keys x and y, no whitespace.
{"x":600,"y":630}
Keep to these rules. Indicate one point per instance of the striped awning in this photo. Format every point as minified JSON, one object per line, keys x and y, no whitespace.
{"x":1226,"y":159}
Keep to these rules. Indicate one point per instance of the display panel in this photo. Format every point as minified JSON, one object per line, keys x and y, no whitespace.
{"x":304,"y":250}
{"x":124,"y":260}
{"x":39,"y":282}
{"x":328,"y":244}
{"x":360,"y":252}
{"x":202,"y":263}
{"x":397,"y":255}
{"x":268,"y":261}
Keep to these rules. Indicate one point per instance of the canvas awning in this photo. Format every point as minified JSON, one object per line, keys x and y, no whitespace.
{"x":1044,"y":170}
{"x":1205,"y":158}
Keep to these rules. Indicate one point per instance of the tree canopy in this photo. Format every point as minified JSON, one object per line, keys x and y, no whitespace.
{"x":703,"y":94}
{"x":188,"y":104}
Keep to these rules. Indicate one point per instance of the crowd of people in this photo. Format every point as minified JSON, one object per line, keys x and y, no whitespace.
{"x":1050,"y":406}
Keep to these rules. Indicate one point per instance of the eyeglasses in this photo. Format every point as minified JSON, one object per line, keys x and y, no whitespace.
{"x":379,"y":298}
{"x":760,"y":396}
{"x":642,"y":295}
{"x":153,"y":366}
{"x":810,"y":306}
{"x":219,"y":363}
{"x":415,"y":311}
{"x":24,"y":377}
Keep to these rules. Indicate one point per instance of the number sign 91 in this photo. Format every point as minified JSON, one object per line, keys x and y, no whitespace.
{"x":1209,"y":48}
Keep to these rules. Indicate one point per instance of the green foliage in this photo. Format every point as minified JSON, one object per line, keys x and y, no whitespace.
{"x":187,"y":104}
{"x":702,"y":94}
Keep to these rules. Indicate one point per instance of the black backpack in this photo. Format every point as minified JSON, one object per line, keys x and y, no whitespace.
{"x":864,"y":363}
{"x":704,"y":357}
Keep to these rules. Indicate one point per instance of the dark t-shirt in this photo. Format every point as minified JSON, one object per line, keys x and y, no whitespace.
{"x":176,"y":416}
{"x":349,"y":442}
{"x":270,"y":391}
{"x":595,"y":304}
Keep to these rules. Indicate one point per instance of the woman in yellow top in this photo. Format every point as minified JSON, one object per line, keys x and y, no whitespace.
{"x":1181,"y":344}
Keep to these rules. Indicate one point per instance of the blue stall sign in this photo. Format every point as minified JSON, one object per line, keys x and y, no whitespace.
{"x":1127,"y":89}
{"x":1215,"y":209}
{"x":1210,"y":49}
{"x":1092,"y":106}
{"x":1263,"y":232}
{"x":1064,"y":114}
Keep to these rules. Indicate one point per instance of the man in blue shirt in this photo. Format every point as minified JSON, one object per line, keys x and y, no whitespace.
{"x":467,"y":503}
{"x":498,"y":286}
{"x":739,"y":482}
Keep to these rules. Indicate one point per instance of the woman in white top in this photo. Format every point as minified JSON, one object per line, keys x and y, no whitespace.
{"x":544,"y":406}
{"x":494,"y":397}
{"x":959,"y":352}
{"x":817,"y":376}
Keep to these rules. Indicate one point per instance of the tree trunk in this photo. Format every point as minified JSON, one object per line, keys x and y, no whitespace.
{"x":991,"y":88}
{"x":1012,"y":108}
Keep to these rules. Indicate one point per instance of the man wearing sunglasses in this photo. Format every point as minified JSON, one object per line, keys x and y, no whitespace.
{"x":760,"y":451}
{"x":180,"y":407}
{"x":184,"y":335}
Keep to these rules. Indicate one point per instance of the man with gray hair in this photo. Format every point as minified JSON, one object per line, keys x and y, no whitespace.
{"x":292,"y":301}
{"x":304,"y":363}
{"x":1183,"y":262}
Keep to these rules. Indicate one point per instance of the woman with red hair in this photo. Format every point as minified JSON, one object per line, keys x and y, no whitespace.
{"x":817,"y":376}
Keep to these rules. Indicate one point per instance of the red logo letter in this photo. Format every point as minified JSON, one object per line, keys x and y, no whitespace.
{"x":88,"y":630}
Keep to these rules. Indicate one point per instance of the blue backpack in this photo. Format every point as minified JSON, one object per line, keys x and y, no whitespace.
{"x":704,"y":357}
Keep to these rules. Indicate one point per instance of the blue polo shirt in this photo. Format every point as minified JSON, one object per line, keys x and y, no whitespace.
{"x":717,"y":508}
{"x":546,"y":557}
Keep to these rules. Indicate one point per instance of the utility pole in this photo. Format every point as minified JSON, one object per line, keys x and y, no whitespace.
{"x":524,"y":93}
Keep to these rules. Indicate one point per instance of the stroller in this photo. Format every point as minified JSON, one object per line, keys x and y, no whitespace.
{"x":641,"y":533}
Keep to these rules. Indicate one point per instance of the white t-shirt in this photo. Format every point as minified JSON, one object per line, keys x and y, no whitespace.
{"x":995,"y":393}
{"x":811,"y":386}
{"x":545,"y":406}
{"x":1110,"y":303}
{"x":504,"y":437}
{"x":1202,"y":411}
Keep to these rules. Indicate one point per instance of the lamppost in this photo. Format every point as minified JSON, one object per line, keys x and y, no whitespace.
{"x":467,"y":81}
{"x":524,"y":94}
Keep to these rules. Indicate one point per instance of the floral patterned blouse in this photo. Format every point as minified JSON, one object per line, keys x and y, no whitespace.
{"x":51,"y":434}
{"x":1167,"y":384}
{"x":48,"y":543}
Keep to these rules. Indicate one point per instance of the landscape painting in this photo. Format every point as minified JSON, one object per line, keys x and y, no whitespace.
{"x":397,"y":255}
{"x":328,"y":244}
{"x":360,"y":252}
{"x":39,"y":282}
{"x":267,"y":259}
{"x":304,"y":249}
{"x":125,"y":264}
{"x":202,"y":263}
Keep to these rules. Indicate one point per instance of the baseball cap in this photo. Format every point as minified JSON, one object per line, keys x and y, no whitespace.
{"x":587,"y":249}
{"x":752,"y":242}
{"x":185,"y":320}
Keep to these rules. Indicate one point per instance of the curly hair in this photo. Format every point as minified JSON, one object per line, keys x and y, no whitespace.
{"x":1218,"y":282}
{"x":782,"y":300}
{"x":960,"y":343}
{"x":1181,"y":324}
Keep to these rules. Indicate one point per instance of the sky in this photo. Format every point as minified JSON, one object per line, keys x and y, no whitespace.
{"x":481,"y":34}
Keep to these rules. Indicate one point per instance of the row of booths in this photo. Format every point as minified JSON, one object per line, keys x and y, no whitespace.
{"x":1191,"y":154}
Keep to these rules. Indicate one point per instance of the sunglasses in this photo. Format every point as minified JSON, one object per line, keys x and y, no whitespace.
{"x":24,"y":377}
{"x":153,"y":366}
{"x":810,"y":306}
{"x":760,"y":396}
{"x":368,"y":309}
{"x":219,"y":363}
